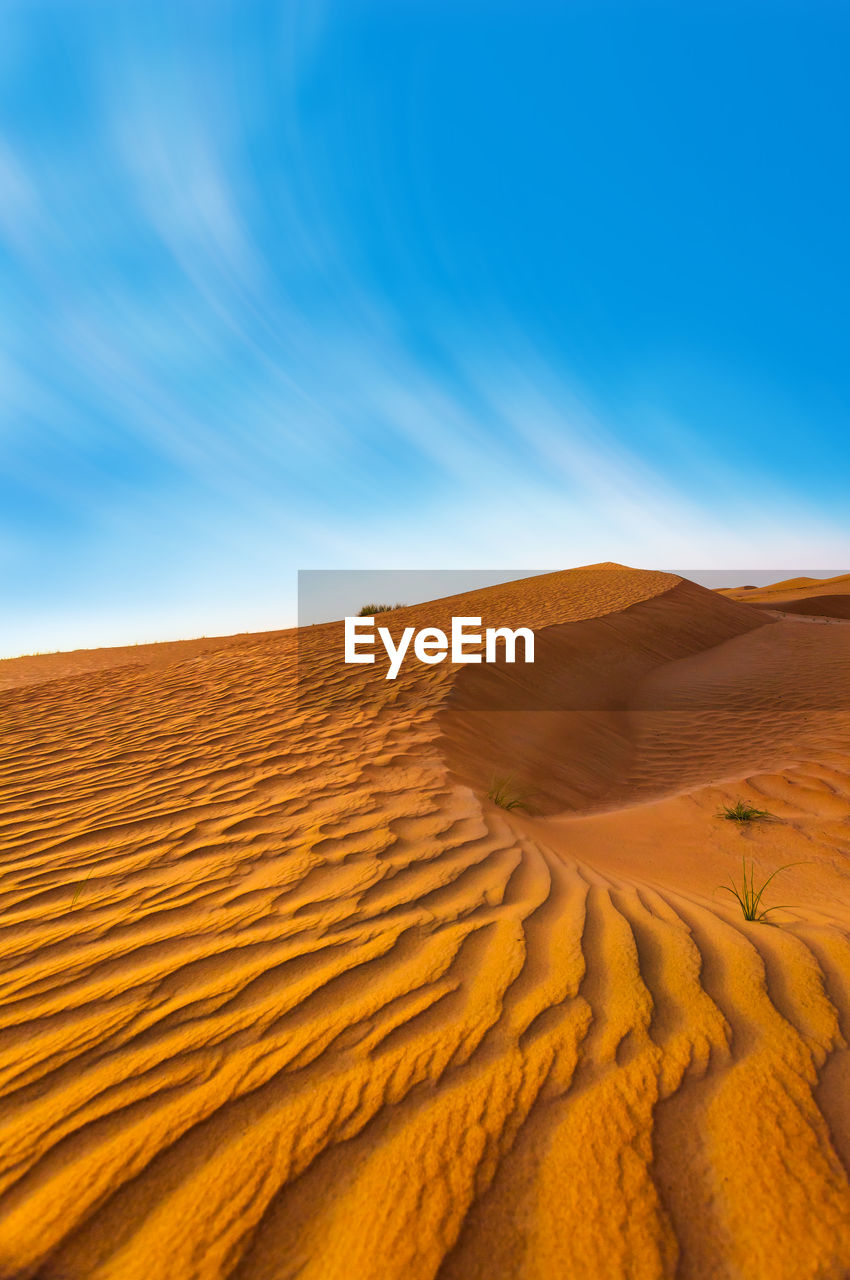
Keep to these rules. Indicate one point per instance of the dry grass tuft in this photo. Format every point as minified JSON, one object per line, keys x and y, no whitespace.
{"x":740,"y":811}
{"x":749,"y":898}
{"x":507,"y":793}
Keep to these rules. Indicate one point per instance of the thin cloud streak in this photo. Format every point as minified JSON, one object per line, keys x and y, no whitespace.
{"x":204,"y":390}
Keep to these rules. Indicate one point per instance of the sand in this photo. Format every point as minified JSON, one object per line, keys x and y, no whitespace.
{"x":284,"y":994}
{"x":814,"y":597}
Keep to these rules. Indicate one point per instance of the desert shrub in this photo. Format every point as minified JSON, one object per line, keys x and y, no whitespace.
{"x":740,"y":811}
{"x":507,"y":793}
{"x":748,"y":896}
{"x":369,"y":610}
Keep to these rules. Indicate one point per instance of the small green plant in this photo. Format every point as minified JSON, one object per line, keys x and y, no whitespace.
{"x":748,"y":896}
{"x":369,"y":610}
{"x":507,"y":793}
{"x":740,"y":811}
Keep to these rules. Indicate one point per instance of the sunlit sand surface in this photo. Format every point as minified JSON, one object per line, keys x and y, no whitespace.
{"x":815,"y":597}
{"x":285,"y":995}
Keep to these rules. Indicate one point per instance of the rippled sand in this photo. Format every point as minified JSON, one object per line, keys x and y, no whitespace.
{"x":285,"y":995}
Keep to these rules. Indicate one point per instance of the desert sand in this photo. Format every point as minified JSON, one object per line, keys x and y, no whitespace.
{"x":815,"y":597}
{"x":284,"y":994}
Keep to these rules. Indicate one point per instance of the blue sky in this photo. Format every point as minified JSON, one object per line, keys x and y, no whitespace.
{"x":411,"y":284}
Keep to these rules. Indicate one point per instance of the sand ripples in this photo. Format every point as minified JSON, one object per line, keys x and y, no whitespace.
{"x":282,"y":996}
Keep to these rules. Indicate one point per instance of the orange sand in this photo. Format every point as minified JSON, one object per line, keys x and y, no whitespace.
{"x":818,"y":597}
{"x":284,"y":995}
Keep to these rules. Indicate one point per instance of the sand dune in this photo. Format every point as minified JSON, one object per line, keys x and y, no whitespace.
{"x":285,"y":995}
{"x":816,"y":597}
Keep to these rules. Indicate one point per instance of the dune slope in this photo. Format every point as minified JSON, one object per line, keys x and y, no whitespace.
{"x":815,"y":597}
{"x":283,"y":994}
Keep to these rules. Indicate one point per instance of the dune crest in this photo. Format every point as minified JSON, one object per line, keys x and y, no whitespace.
{"x":814,"y":597}
{"x":284,"y":994}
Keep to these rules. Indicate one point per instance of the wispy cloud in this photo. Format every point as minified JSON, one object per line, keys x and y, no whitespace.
{"x":204,"y":388}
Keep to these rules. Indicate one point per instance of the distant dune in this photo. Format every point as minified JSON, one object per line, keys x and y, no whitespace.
{"x":284,"y":994}
{"x":817,"y":597}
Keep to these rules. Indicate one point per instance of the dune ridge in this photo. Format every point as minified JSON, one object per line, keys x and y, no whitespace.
{"x":283,"y":994}
{"x":814,"y":597}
